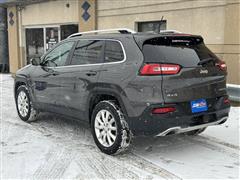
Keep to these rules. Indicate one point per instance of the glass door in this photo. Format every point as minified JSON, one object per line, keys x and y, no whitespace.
{"x":34,"y":43}
{"x":52,"y":36}
{"x":41,"y":39}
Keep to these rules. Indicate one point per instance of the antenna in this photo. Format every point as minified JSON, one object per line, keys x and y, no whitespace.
{"x":161,"y":24}
{"x":162,"y":19}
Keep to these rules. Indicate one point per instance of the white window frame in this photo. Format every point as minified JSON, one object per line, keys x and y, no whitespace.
{"x":44,"y":33}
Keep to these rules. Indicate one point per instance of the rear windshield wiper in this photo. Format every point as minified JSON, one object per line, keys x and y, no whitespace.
{"x":204,"y":61}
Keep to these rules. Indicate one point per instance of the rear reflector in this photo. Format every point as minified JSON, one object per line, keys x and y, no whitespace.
{"x":163,"y":110}
{"x":160,"y":69}
{"x":222,"y":65}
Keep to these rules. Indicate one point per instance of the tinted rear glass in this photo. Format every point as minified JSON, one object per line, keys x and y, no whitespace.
{"x":185,"y":51}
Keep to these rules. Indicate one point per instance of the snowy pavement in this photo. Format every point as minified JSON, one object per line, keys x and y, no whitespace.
{"x":58,"y":147}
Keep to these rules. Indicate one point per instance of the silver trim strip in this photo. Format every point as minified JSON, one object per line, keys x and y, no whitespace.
{"x":102,"y":30}
{"x":118,"y":62}
{"x":170,"y":31}
{"x":178,"y":129}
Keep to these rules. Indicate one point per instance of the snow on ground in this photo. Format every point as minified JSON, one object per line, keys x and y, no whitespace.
{"x":228,"y":131}
{"x":58,"y":147}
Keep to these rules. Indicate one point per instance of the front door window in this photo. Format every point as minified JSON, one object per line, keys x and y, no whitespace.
{"x":59,"y":55}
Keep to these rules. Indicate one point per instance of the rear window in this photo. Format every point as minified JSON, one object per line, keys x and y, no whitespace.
{"x":185,"y":51}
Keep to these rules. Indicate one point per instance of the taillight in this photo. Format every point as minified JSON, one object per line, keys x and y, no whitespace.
{"x":158,"y":69}
{"x":163,"y":110}
{"x":226,"y":101}
{"x":222,"y":65}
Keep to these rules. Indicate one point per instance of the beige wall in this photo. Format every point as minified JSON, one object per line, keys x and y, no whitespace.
{"x":56,"y":12}
{"x":217,"y":21}
{"x":13,"y":42}
{"x":53,"y":12}
{"x":90,"y":24}
{"x":231,"y":49}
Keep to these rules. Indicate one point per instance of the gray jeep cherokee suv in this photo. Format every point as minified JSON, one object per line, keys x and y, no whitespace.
{"x":126,"y":84}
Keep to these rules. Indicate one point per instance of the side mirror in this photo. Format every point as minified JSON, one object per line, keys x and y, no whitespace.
{"x":35,"y":61}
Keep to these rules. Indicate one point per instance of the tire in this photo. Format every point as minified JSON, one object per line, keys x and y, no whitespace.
{"x":195,"y":132}
{"x":24,"y":105}
{"x":108,"y":123}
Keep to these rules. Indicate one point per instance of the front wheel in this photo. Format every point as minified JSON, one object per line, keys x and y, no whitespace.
{"x":109,"y":128}
{"x":24,"y":105}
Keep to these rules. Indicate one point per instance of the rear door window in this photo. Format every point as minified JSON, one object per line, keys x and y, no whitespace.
{"x":185,"y":51}
{"x":113,"y":52}
{"x":88,"y":52}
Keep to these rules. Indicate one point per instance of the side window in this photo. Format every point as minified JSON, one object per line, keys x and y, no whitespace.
{"x":58,"y":56}
{"x":113,"y":52}
{"x":88,"y":52}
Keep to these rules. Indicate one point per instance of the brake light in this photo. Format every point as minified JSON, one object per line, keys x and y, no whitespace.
{"x":163,"y":110}
{"x":222,"y":65}
{"x":226,"y":101}
{"x":159,"y":69}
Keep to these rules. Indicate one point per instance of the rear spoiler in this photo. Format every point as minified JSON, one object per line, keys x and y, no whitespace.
{"x":141,"y":39}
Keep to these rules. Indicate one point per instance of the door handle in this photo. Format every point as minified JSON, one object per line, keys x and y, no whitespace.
{"x":91,"y":73}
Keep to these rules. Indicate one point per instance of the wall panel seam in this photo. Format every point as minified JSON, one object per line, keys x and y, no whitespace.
{"x":164,"y":3}
{"x":169,"y":10}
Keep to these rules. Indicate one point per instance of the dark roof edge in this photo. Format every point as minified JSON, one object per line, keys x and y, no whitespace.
{"x":20,"y":2}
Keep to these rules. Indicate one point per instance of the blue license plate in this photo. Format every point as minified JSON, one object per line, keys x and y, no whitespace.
{"x":199,"y":105}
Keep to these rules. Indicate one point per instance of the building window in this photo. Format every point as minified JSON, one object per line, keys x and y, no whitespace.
{"x":152,"y":26}
{"x":67,"y":30}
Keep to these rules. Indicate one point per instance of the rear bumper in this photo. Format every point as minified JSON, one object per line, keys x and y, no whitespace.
{"x":182,"y":120}
{"x":178,"y":129}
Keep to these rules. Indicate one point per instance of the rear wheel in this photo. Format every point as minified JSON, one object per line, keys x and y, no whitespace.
{"x":195,"y":132}
{"x":24,"y":105}
{"x":109,"y":128}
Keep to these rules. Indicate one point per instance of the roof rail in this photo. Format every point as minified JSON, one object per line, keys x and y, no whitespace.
{"x":170,"y":31}
{"x":120,"y":30}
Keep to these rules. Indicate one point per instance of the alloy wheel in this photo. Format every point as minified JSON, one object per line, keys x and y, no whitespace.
{"x":23,"y":104}
{"x":105,"y":128}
